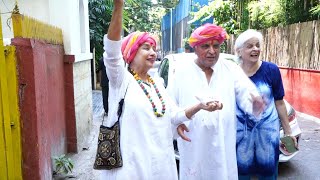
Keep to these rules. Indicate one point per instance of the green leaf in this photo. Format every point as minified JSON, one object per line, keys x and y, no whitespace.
{"x":63,"y":164}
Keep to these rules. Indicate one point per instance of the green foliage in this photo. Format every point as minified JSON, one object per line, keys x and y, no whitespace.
{"x":238,"y":15}
{"x":298,"y":11}
{"x":242,"y":14}
{"x":138,"y":15}
{"x":167,"y":4}
{"x":99,"y":18}
{"x":223,"y":12}
{"x":315,"y":10}
{"x":63,"y":165}
{"x":266,"y":13}
{"x":143,"y":16}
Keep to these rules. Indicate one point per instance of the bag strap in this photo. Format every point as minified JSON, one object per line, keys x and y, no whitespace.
{"x":120,"y":106}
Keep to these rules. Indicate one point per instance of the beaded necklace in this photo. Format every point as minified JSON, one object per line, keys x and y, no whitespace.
{"x":140,"y":82}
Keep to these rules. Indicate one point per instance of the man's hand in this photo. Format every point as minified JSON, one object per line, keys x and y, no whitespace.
{"x":208,"y":106}
{"x":212,"y":106}
{"x":181,"y":128}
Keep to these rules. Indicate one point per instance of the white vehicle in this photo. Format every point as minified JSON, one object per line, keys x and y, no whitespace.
{"x":168,"y":67}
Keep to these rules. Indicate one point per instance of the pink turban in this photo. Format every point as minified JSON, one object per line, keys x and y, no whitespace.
{"x":207,"y":32}
{"x":132,"y":42}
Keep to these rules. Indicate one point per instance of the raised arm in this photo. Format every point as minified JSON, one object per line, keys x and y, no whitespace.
{"x":115,"y":27}
{"x":113,"y":61}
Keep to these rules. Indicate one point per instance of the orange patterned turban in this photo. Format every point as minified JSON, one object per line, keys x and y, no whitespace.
{"x":132,"y":42}
{"x":207,"y":32}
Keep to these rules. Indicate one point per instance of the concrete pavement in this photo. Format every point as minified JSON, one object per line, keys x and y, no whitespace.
{"x":83,"y":161}
{"x":305,"y":165}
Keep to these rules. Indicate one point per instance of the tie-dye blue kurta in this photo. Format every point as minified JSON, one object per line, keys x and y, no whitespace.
{"x":258,"y":141}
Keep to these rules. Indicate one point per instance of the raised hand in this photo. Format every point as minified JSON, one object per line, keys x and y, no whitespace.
{"x":115,"y":27}
{"x":118,"y":3}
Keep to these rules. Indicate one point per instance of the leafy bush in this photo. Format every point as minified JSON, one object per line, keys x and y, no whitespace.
{"x":236,"y":16}
{"x":223,"y":12}
{"x":270,"y":13}
{"x":138,"y":15}
{"x":316,"y":10}
{"x":168,"y":3}
{"x":266,"y":13}
{"x":63,"y":164}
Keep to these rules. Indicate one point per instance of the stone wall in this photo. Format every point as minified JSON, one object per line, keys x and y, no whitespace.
{"x":82,"y":100}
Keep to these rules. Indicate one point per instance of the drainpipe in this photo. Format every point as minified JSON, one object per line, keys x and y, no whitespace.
{"x":171,"y":30}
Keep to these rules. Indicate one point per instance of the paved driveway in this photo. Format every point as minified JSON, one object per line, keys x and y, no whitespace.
{"x":83,"y":161}
{"x":304,"y":166}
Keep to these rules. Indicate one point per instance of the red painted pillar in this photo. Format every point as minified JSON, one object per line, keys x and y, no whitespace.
{"x":42,"y":105}
{"x":70,"y":106}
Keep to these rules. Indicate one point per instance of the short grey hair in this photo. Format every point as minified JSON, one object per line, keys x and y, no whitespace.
{"x":245,"y":36}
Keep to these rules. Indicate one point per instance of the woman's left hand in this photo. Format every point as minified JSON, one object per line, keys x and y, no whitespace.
{"x":295,"y":141}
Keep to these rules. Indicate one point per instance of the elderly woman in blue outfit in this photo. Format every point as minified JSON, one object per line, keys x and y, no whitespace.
{"x":258,"y":140}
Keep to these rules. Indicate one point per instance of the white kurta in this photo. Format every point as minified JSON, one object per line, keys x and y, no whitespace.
{"x":145,"y":140}
{"x":211,"y":154}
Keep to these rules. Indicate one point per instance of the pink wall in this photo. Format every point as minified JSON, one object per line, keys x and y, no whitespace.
{"x":302,"y":89}
{"x":42,"y":105}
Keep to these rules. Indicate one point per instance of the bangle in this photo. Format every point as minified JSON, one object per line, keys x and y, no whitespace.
{"x":286,"y":135}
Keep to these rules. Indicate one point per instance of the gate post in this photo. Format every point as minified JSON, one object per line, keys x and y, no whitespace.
{"x":5,"y":158}
{"x":10,"y":136}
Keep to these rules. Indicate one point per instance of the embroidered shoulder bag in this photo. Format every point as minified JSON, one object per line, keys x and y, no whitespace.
{"x":108,"y":152}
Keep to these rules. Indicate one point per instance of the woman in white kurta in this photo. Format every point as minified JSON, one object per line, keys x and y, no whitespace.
{"x":211,"y":154}
{"x":145,"y":129}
